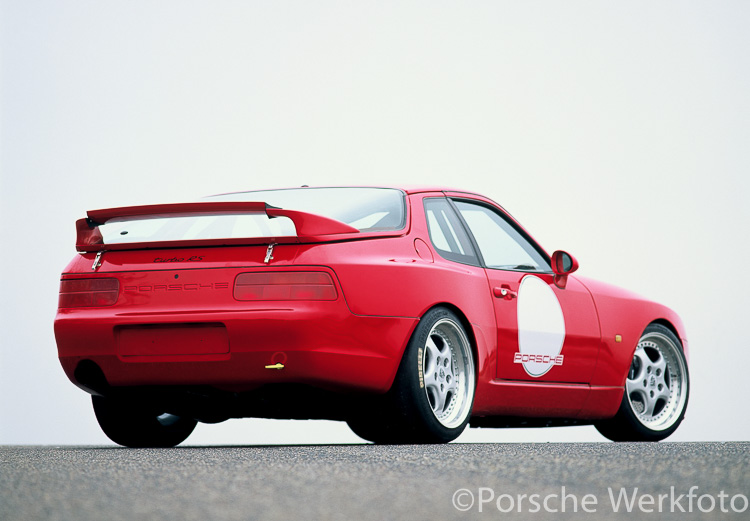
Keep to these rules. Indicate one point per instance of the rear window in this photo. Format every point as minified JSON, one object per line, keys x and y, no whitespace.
{"x":367,"y":209}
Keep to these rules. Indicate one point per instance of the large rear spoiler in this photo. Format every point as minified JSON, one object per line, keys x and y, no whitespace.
{"x":310,"y":227}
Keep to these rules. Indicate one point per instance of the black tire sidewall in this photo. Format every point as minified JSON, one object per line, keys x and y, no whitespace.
{"x":409,"y":392}
{"x":133,"y":425}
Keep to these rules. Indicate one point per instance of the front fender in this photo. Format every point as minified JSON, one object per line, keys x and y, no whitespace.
{"x":623,"y":316}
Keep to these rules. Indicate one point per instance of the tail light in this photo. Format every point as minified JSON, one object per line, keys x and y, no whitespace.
{"x":85,"y":293}
{"x":284,"y":285}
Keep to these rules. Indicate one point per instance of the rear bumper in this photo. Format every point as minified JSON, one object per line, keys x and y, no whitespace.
{"x":319,"y":344}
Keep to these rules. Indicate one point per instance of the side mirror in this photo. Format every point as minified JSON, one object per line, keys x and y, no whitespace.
{"x":563,"y":264}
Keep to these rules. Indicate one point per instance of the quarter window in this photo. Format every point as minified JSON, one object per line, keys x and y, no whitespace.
{"x":447,"y":233}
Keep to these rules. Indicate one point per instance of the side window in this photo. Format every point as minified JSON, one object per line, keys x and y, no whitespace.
{"x":501,"y":245}
{"x":447,"y":233}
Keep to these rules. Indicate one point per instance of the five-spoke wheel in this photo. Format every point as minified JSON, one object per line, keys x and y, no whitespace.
{"x":445,"y":369}
{"x":656,"y":390}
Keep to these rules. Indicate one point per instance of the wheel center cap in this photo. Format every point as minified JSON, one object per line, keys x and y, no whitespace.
{"x":442,"y":374}
{"x":652,"y":381}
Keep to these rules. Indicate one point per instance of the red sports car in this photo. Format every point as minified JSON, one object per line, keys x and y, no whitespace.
{"x":406,"y":312}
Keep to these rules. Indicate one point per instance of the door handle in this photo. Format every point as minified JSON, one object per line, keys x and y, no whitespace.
{"x":505,"y":292}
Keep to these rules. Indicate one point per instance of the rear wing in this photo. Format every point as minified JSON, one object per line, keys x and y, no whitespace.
{"x":310,"y":227}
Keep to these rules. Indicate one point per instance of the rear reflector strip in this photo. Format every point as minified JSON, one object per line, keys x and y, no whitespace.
{"x":284,"y":285}
{"x":85,"y":293}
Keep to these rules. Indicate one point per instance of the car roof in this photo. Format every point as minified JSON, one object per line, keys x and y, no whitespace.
{"x":416,"y":189}
{"x":409,"y":189}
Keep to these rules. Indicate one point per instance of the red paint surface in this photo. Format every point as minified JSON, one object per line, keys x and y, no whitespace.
{"x":177,"y":322}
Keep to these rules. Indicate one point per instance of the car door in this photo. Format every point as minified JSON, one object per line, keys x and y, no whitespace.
{"x":544,"y":333}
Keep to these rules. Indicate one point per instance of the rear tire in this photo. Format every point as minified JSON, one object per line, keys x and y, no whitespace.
{"x":136,"y":425}
{"x":433,"y":393}
{"x":657,"y":387}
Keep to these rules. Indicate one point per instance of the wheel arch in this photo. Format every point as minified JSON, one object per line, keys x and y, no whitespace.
{"x":666,"y":323}
{"x":468,"y":328}
{"x":677,"y":328}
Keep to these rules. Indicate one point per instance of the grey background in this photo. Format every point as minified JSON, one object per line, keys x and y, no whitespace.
{"x":617,"y":131}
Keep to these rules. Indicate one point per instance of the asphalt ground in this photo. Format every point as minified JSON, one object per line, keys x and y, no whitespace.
{"x":367,"y":482}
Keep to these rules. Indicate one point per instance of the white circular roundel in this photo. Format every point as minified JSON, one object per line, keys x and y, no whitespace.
{"x":541,"y":326}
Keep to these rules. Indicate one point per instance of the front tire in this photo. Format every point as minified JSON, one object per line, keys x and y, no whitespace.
{"x":433,"y":393}
{"x":135,"y":425}
{"x":656,"y":390}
